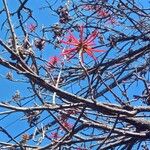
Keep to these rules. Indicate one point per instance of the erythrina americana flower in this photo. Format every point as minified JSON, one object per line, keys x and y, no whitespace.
{"x":100,"y":11}
{"x":67,"y":125}
{"x":52,"y":62}
{"x":103,"y":13}
{"x":32,"y":27}
{"x":55,"y":136}
{"x":81,"y":45}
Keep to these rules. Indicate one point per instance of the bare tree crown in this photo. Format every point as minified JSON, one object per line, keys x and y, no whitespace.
{"x":75,"y":74}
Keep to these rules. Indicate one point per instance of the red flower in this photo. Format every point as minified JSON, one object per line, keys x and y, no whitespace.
{"x":54,"y":135}
{"x":112,"y":21}
{"x":103,"y":13}
{"x":63,"y":117}
{"x":67,"y":125}
{"x":53,"y":61}
{"x":98,"y":10}
{"x":32,"y":27}
{"x":88,"y":7}
{"x":71,"y":112}
{"x":81,"y":45}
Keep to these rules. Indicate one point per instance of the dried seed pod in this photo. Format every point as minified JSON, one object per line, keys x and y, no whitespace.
{"x":9,"y":76}
{"x":32,"y":117}
{"x":63,"y":14}
{"x":39,"y":43}
{"x":56,"y":28}
{"x":25,"y":138}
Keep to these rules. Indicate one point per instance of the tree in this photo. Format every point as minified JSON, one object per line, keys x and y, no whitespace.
{"x":75,"y":74}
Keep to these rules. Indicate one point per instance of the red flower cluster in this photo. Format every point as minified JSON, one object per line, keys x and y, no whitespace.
{"x":52,"y":62}
{"x":98,"y":9}
{"x":32,"y":27}
{"x":81,"y":45}
{"x":101,"y":12}
{"x":55,"y":136}
{"x":112,"y":21}
{"x":64,"y":118}
{"x":67,"y":125}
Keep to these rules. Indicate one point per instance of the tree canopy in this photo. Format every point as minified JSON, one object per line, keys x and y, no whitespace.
{"x":75,"y":74}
